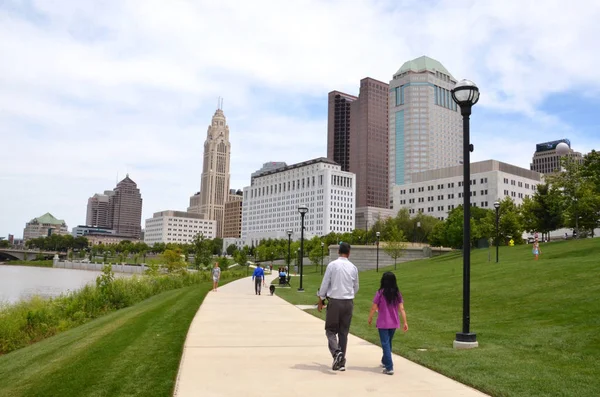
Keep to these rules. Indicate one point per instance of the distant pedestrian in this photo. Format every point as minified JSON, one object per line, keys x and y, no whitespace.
{"x":259,"y":279}
{"x":339,"y":286}
{"x":216,"y":276}
{"x":388,"y":304}
{"x":536,"y":250}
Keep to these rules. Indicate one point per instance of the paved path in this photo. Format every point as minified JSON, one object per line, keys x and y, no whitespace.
{"x":240,"y":344}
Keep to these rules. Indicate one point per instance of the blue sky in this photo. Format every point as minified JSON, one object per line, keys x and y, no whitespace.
{"x":93,"y":90}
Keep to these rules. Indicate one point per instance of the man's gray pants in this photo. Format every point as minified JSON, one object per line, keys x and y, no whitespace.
{"x":337,"y":324}
{"x":257,"y":284}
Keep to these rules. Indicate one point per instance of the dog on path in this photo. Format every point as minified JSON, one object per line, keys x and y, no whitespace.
{"x":272,"y":289}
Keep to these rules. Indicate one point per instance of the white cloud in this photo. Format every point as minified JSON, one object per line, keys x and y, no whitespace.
{"x":90,"y":89}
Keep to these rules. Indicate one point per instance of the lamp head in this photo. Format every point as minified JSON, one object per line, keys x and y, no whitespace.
{"x":377,"y":234}
{"x":289,"y":232}
{"x":322,"y":244}
{"x":497,"y":205}
{"x":465,"y":93}
{"x":302,"y":210}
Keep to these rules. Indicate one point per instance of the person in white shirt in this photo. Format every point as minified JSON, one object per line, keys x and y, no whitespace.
{"x":339,"y":286}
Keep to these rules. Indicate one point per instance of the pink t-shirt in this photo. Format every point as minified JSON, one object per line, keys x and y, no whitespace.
{"x":388,"y":317}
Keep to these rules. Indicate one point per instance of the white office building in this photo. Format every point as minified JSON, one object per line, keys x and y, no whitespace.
{"x":271,"y":202}
{"x":436,"y":192}
{"x":177,"y":227}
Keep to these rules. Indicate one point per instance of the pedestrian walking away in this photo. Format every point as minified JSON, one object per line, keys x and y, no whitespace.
{"x":259,"y":278}
{"x":216,"y":276}
{"x":339,"y":286}
{"x":388,"y":304}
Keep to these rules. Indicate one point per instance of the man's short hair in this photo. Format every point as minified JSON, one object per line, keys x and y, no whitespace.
{"x":344,"y":249}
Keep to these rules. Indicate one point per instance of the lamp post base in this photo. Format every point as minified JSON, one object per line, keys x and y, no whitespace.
{"x":300,"y":289}
{"x":465,"y":341}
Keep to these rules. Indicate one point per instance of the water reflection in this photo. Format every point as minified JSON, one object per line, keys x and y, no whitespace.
{"x":23,"y":282}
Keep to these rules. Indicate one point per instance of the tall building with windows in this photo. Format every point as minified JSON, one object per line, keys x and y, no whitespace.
{"x":547,"y":161}
{"x":98,"y":210}
{"x":233,"y":215}
{"x":271,"y":202}
{"x":214,"y":186}
{"x":425,"y":125}
{"x":338,"y":128}
{"x":177,"y":227}
{"x":126,"y":209}
{"x":358,"y":139}
{"x":437,"y":192}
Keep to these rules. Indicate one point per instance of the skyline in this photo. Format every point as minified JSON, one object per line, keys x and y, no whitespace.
{"x":85,"y":86}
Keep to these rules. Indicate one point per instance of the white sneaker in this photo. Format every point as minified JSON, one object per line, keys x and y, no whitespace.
{"x":388,"y":372}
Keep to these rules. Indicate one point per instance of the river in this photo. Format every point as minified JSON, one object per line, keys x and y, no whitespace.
{"x":23,"y":282}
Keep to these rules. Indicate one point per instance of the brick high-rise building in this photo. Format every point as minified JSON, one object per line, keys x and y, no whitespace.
{"x":98,"y":210}
{"x":232,"y":224}
{"x":126,"y":209}
{"x":338,"y":128}
{"x":214,"y":187}
{"x":358,"y":139}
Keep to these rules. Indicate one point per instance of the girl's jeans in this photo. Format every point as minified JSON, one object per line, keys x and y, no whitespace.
{"x":386,"y":335}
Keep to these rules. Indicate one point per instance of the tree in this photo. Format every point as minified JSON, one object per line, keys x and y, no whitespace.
{"x":217,"y":246}
{"x":394,"y":246}
{"x":203,"y":249}
{"x":510,"y":222}
{"x":543,"y":212}
{"x":241,"y":256}
{"x":316,"y":255}
{"x":231,"y":249}
{"x":4,"y":244}
{"x":173,"y":260}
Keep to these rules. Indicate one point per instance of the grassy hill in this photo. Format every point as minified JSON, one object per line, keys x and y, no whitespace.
{"x":131,"y":352}
{"x":537,"y":322}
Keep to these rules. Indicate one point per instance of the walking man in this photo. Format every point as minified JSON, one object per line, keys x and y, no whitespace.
{"x":339,"y":285}
{"x":259,"y":278}
{"x":216,"y":276}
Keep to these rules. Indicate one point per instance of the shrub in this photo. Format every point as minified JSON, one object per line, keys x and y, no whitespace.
{"x":30,"y":321}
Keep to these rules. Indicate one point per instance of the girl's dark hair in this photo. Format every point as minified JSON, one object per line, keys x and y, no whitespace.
{"x":389,"y":288}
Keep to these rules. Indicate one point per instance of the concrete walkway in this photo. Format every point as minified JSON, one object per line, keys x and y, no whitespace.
{"x":240,"y":344}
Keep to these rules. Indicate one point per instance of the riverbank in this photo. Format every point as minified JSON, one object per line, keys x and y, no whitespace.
{"x":134,"y":351}
{"x":30,"y":321}
{"x":44,"y":263}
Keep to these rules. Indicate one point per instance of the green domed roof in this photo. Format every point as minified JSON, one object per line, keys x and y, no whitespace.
{"x":421,"y":64}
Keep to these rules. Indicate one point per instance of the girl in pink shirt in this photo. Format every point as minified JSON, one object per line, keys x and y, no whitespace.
{"x":388,"y":303}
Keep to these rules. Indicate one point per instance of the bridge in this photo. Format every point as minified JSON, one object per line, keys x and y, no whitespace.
{"x":26,"y":255}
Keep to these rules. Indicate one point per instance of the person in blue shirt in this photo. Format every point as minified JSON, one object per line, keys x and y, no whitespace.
{"x":259,"y":279}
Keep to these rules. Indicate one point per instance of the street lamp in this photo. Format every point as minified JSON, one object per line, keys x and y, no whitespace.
{"x":466,"y":94}
{"x":497,"y":207}
{"x":302,"y":210}
{"x":377,"y":242}
{"x":322,"y":245}
{"x":289,"y":233}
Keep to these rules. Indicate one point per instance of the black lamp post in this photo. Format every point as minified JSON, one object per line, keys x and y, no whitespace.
{"x":302,"y":210}
{"x":322,"y":245}
{"x":497,"y":207}
{"x":289,"y":233}
{"x":377,"y":242}
{"x":466,"y":94}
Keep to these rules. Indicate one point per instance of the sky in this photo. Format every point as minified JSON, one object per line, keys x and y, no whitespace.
{"x":93,"y":90}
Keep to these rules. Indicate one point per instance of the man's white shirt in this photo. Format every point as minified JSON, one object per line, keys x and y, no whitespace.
{"x":340,"y":280}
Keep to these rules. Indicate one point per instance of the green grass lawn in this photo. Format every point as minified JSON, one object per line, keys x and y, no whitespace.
{"x":537,"y":323}
{"x":131,"y":352}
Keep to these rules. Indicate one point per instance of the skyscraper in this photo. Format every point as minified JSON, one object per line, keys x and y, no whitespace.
{"x":338,"y":128}
{"x":126,"y":209}
{"x":358,"y":139}
{"x":214,"y":187}
{"x":98,"y":210}
{"x":425,"y":130}
{"x":545,"y":159}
